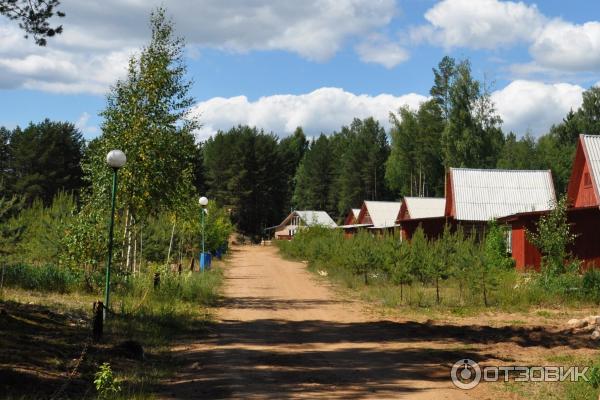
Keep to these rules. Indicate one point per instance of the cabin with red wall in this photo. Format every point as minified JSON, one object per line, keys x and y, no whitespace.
{"x":582,"y":192}
{"x":424,"y":212}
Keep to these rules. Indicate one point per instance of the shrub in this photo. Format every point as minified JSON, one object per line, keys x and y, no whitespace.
{"x":44,"y":278}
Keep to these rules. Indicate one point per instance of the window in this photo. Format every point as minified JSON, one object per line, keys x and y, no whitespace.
{"x":508,"y":236}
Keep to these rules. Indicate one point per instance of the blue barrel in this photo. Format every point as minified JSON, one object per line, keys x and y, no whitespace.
{"x":205,"y":259}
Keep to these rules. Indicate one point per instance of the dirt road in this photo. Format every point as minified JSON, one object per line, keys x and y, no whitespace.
{"x":282,"y":334}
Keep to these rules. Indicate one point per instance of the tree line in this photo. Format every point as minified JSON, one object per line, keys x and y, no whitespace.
{"x":259,"y":177}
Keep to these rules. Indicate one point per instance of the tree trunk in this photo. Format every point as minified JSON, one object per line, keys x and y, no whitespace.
{"x":170,"y":244}
{"x":129,"y":250}
{"x":485,"y":299}
{"x":134,"y":252}
{"x":125,"y":234}
{"x":141,"y":249}
{"x":401,"y":290}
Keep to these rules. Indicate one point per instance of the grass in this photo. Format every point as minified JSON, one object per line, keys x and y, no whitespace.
{"x":42,"y":332}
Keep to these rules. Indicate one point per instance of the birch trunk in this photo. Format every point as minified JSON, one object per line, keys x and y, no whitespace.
{"x":170,"y":244}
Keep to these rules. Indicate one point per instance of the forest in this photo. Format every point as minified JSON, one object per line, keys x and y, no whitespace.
{"x":257,"y":177}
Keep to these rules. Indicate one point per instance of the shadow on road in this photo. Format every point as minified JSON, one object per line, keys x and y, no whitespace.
{"x":272,"y":358}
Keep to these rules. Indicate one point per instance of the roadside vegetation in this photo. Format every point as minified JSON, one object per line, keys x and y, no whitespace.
{"x":456,"y":272}
{"x":55,"y":193}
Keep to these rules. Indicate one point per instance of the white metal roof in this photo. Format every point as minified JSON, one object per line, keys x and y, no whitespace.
{"x":311,"y":218}
{"x":425,"y":207}
{"x":383,"y":213}
{"x":592,"y":148}
{"x":349,"y":226}
{"x":485,"y":194}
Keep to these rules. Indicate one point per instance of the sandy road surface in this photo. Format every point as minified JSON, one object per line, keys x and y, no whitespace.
{"x":282,"y":334}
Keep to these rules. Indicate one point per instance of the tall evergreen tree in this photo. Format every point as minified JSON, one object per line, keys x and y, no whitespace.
{"x":291,"y":151}
{"x":361,"y":167}
{"x":44,"y":160}
{"x":442,"y":81}
{"x":314,"y":177}
{"x":414,"y":167}
{"x":518,"y":153}
{"x":243,"y":173}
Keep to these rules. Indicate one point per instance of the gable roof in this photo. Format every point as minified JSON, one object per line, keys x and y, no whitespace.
{"x":424,"y":207}
{"x":356,"y":211}
{"x":485,"y":194}
{"x":311,"y":218}
{"x":383,"y":213}
{"x":588,"y":153}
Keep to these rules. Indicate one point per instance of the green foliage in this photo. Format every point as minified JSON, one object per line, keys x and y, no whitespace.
{"x":362,"y":255}
{"x":552,"y":237}
{"x":314,"y":178}
{"x":44,"y":160}
{"x":454,"y":270}
{"x":244,"y":174}
{"x":44,"y":278}
{"x":495,"y":247}
{"x":591,"y":284}
{"x":106,"y":383}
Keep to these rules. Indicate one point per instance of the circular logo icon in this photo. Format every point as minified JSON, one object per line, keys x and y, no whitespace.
{"x":465,"y":374}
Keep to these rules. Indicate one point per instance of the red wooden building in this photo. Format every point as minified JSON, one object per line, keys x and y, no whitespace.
{"x":426,"y":212}
{"x":583,"y":193}
{"x":583,"y":215}
{"x":476,"y":196}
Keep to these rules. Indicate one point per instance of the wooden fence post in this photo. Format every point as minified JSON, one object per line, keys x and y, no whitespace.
{"x":98,"y":320}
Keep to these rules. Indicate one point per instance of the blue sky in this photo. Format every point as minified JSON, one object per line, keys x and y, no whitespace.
{"x":317,"y":63}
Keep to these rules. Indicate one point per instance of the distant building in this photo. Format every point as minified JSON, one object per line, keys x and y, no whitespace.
{"x":352,"y":216}
{"x":426,"y":212}
{"x":299,"y":219}
{"x":379,"y":216}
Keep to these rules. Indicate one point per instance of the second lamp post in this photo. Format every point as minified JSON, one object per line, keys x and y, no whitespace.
{"x":203,"y":203}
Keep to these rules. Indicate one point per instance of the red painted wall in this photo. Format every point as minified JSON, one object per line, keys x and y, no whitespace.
{"x":586,"y":225}
{"x":585,"y":196}
{"x":526,"y":256}
{"x":581,"y":191}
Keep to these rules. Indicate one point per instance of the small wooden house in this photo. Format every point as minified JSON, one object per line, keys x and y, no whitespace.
{"x":299,"y":219}
{"x":584,"y":196}
{"x":352,"y":216}
{"x":424,"y":212}
{"x":583,"y":214}
{"x":351,"y":225}
{"x":379,"y":216}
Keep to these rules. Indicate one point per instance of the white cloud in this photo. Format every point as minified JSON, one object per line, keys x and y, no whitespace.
{"x":565,"y":46}
{"x":525,"y":106}
{"x":380,"y":50}
{"x":534,"y":106}
{"x":323,"y":110}
{"x":554,"y":44}
{"x":99,"y":36}
{"x":481,"y":24}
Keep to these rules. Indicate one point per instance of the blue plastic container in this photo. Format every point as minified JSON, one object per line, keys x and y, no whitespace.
{"x":205,"y":260}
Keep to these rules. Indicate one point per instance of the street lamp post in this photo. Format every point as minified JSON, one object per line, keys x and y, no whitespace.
{"x":115,"y":159}
{"x":203,"y":203}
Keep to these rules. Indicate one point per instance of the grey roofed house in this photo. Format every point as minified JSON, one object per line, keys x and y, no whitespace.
{"x":485,"y":194}
{"x":422,"y":207}
{"x":379,"y":214}
{"x":296,"y":219}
